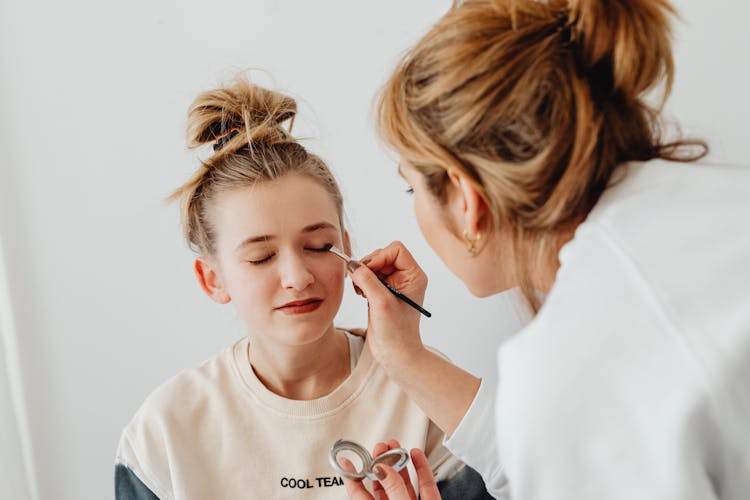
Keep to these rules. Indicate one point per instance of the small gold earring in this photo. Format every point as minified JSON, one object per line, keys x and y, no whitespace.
{"x":472,"y":243}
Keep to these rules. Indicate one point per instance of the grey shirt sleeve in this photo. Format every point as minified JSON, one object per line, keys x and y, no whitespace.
{"x":129,"y":487}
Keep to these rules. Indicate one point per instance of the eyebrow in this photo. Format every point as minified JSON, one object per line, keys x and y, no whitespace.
{"x":318,"y":226}
{"x":399,"y":171}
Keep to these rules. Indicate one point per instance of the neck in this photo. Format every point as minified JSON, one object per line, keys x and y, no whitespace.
{"x":543,"y":275}
{"x":303,"y":372}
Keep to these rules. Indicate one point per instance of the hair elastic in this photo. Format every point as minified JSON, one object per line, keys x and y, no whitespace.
{"x":225,"y":138}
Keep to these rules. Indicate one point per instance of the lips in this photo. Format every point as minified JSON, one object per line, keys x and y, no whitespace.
{"x":301,"y":306}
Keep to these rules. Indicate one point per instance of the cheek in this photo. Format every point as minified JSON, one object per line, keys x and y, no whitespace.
{"x":429,"y":223}
{"x":330,"y":272}
{"x":439,"y":234}
{"x":422,"y":218}
{"x":251,"y":286}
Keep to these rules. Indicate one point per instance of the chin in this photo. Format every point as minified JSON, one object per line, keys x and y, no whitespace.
{"x":309,"y":337}
{"x":484,"y":290}
{"x":308,"y":330}
{"x":478,"y":292}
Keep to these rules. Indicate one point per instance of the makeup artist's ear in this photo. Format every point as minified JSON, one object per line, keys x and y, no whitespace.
{"x":347,"y":244}
{"x":211,"y":281}
{"x":466,"y":204}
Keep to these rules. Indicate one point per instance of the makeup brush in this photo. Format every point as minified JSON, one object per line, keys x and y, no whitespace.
{"x":395,"y":292}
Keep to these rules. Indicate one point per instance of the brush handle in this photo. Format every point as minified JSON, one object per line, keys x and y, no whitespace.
{"x":407,"y":299}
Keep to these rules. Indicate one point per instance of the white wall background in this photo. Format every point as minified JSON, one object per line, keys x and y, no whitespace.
{"x":93,"y":97}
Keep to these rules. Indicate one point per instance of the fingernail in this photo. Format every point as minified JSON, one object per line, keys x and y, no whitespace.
{"x":379,"y":473}
{"x":346,"y":465}
{"x":353,"y":265}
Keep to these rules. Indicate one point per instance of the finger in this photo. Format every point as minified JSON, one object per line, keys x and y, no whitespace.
{"x":359,"y":332}
{"x":392,"y":483}
{"x":406,"y":478}
{"x":368,"y":282}
{"x":377,"y":488}
{"x":394,"y":257}
{"x":428,"y":489}
{"x":367,"y":258}
{"x":395,"y":265}
{"x":379,"y":448}
{"x":346,"y":464}
{"x":404,"y":473}
{"x":356,"y":490}
{"x":358,"y":290}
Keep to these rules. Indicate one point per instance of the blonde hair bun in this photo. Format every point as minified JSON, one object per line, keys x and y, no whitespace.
{"x":257,"y":113}
{"x":633,"y":36}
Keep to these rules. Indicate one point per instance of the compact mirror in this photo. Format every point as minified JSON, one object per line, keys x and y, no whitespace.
{"x":354,"y":462}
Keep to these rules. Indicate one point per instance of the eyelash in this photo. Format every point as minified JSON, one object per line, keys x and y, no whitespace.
{"x":410,"y":191}
{"x":322,"y":249}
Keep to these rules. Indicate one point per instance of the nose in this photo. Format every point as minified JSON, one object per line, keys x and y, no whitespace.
{"x":294,"y":273}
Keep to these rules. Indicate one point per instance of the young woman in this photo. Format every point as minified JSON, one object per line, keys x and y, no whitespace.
{"x":258,"y":420}
{"x":536,"y":161}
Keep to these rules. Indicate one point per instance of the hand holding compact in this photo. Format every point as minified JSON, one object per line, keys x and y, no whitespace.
{"x":352,"y":461}
{"x":392,"y":484}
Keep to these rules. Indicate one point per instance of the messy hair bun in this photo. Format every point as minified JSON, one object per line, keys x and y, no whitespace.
{"x":254,"y":111}
{"x":245,"y":123}
{"x":630,"y":38}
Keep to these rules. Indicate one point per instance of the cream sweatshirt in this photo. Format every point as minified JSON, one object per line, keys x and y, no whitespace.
{"x":216,"y":432}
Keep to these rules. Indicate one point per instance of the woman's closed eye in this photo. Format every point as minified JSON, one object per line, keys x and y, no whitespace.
{"x":322,"y":248}
{"x":261,"y":260}
{"x":267,"y":258}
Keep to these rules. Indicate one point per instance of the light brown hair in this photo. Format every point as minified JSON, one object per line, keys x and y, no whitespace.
{"x":245,"y":123}
{"x":537,"y":103}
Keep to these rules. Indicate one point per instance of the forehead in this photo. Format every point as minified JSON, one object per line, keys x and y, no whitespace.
{"x":280,"y":207}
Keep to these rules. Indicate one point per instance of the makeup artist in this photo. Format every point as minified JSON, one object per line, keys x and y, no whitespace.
{"x":536,"y":162}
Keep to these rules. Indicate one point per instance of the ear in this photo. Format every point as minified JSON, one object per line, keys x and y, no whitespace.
{"x":211,"y":281}
{"x":466,"y":204}
{"x":347,"y":244}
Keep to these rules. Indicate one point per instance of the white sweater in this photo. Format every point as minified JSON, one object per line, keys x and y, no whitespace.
{"x":216,"y":432}
{"x":633,"y":381}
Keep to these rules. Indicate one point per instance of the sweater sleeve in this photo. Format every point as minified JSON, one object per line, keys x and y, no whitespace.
{"x":135,"y":476}
{"x":455,"y":480}
{"x":129,"y":487}
{"x":474,"y":442}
